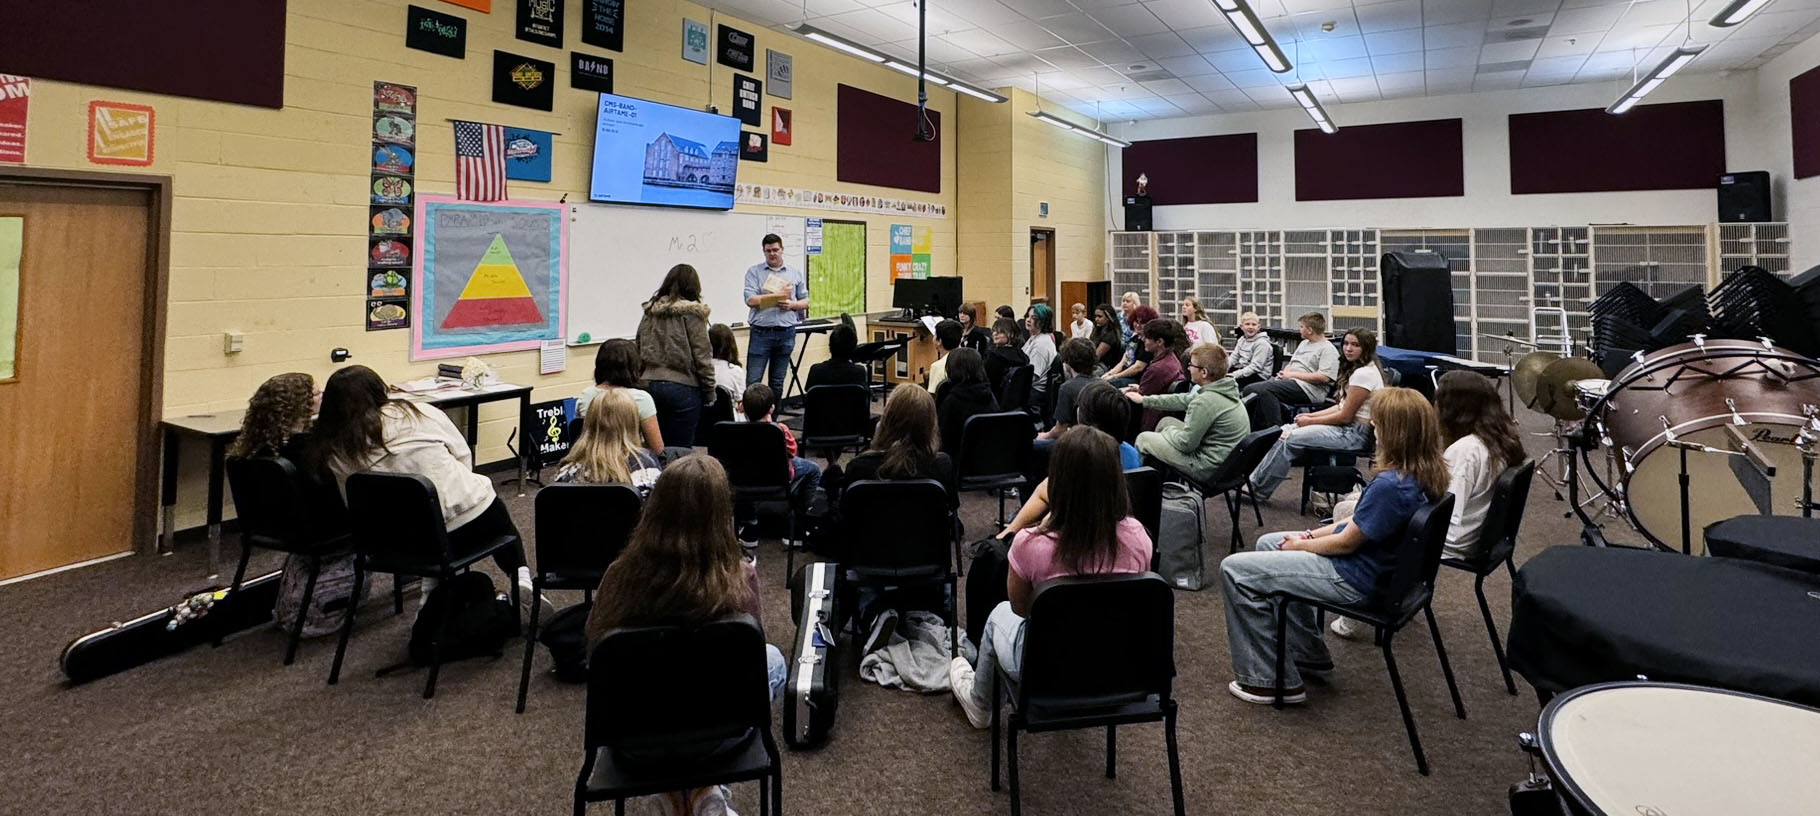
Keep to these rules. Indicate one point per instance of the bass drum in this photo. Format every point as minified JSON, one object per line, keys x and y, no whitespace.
{"x":1664,"y":749}
{"x":1696,"y":390}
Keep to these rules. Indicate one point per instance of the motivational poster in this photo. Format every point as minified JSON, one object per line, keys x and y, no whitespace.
{"x":435,"y":32}
{"x":735,"y":49}
{"x":523,"y":81}
{"x":695,"y":41}
{"x":603,"y":23}
{"x":747,"y":99}
{"x":119,"y":133}
{"x":15,"y":95}
{"x":778,"y":67}
{"x":590,"y":73}
{"x":540,"y":21}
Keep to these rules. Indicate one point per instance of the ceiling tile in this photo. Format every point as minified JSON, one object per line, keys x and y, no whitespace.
{"x":1161,"y":46}
{"x":1067,"y":57}
{"x":1453,"y":35}
{"x":940,"y":52}
{"x":981,"y":42}
{"x":1256,"y":78}
{"x":939,"y":20}
{"x":1400,"y":41}
{"x":823,"y":8}
{"x":1233,"y":100}
{"x":1129,"y":21}
{"x":1209,"y":83}
{"x":876,"y":27}
{"x":1438,"y":12}
{"x":1060,"y":81}
{"x":1567,"y":46}
{"x":1586,"y":20}
{"x":1193,"y":104}
{"x":1626,"y":37}
{"x":1508,"y":51}
{"x":1038,"y":9}
{"x":1510,"y":22}
{"x":1402,"y":80}
{"x":988,"y":13}
{"x":1513,"y":8}
{"x":1022,"y":64}
{"x":1191,"y":65}
{"x":1452,"y":57}
{"x":1181,"y":15}
{"x":1165,"y":87}
{"x":1028,"y":37}
{"x":1230,"y":61}
{"x":1208,"y":39}
{"x":1501,"y":80}
{"x":1334,"y":48}
{"x":1347,"y":68}
{"x":1114,"y":52}
{"x":1391,"y":16}
{"x":1557,"y":65}
{"x":1099,"y":76}
{"x":1075,"y":28}
{"x":1396,"y":63}
{"x":1094,"y":5}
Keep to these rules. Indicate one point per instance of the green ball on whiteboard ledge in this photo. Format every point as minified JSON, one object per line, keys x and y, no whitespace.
{"x":583,"y":337}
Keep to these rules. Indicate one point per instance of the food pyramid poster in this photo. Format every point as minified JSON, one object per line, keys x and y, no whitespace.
{"x":491,"y":276}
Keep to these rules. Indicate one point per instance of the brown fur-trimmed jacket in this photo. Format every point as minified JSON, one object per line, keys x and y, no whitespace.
{"x":673,"y":339}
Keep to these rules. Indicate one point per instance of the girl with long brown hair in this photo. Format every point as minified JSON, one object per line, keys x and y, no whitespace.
{"x":1088,"y":531}
{"x":1340,"y":563}
{"x":1343,"y":426}
{"x":683,"y":565}
{"x":679,"y":365}
{"x":609,"y":450}
{"x":1481,"y":442}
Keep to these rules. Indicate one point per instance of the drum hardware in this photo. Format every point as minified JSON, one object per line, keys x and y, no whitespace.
{"x":1806,"y":442}
{"x":1510,"y":362}
{"x":1535,"y":795}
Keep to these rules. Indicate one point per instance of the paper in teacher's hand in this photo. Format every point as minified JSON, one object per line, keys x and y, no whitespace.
{"x":771,"y":301}
{"x":781,"y":290}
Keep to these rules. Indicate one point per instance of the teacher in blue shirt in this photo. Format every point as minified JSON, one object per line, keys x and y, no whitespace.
{"x":777,"y":297}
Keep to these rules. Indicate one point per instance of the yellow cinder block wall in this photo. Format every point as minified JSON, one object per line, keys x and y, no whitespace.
{"x":270,"y":210}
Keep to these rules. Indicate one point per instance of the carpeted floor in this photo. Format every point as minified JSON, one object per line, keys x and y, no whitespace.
{"x":230,"y":730}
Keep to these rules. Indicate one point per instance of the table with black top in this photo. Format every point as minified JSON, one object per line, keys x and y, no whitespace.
{"x":220,"y":428}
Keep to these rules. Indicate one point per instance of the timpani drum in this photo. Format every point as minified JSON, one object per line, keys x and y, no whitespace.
{"x":1664,"y":749}
{"x":1693,"y":391}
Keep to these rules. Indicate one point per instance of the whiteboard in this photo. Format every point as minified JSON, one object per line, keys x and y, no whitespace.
{"x":618,"y":256}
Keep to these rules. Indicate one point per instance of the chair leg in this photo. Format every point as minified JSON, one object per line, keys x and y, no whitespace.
{"x":1017,"y":805}
{"x":954,"y":618}
{"x":777,"y":791}
{"x":397,"y":595}
{"x":1478,"y":587}
{"x":524,"y":673}
{"x":442,"y":623}
{"x":619,"y":807}
{"x":1175,"y":761}
{"x":347,"y":626}
{"x":1282,"y":617}
{"x":1234,"y":506}
{"x":1409,"y":720}
{"x":764,"y":795}
{"x":1511,"y":567}
{"x":1112,"y":751}
{"x":1307,"y":490}
{"x":246,"y":554}
{"x":995,"y":728}
{"x":303,"y":609}
{"x":1256,"y":508}
{"x":1434,"y":631}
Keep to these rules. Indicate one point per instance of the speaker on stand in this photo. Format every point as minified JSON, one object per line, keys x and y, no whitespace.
{"x":1418,"y":301}
{"x":1137,"y":213}
{"x":1744,"y":197}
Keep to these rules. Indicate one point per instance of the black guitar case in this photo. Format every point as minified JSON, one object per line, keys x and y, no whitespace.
{"x":147,"y":638}
{"x":812,"y":692}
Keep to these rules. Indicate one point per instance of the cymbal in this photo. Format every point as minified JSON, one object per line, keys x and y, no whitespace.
{"x":1555,"y":388}
{"x":1525,"y":373}
{"x":1517,"y":340}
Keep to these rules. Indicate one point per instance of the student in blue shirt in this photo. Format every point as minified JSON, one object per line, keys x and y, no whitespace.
{"x":1339,"y":563}
{"x":771,"y":332}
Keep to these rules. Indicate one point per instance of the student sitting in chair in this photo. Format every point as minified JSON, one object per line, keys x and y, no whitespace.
{"x":277,"y":423}
{"x":1338,"y":563}
{"x":759,"y":401}
{"x":1136,"y":357}
{"x":1254,"y":359}
{"x":1039,"y":323}
{"x":608,"y":451}
{"x":947,"y":339}
{"x":682,"y":565}
{"x":619,"y":365}
{"x":1108,"y":342}
{"x":1006,"y":353}
{"x":361,"y":428}
{"x":729,"y":375}
{"x":839,"y":368}
{"x":974,"y":335}
{"x":1344,"y":426}
{"x":964,"y":394}
{"x":1304,"y":380}
{"x":1215,"y":422}
{"x":1089,"y":531}
{"x":1077,"y":366}
{"x":903,"y":447}
{"x":1099,"y":406}
{"x":1165,"y":341}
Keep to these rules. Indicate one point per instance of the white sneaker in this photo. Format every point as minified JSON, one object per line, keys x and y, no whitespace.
{"x":960,"y":680}
{"x":714,"y":803}
{"x":1348,"y":628}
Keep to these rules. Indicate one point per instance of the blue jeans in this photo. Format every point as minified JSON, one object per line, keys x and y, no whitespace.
{"x":808,"y":477}
{"x":1275,"y":467}
{"x":776,"y":669}
{"x":769,"y":345}
{"x":1246,"y":579}
{"x":1001,"y":648}
{"x":678,"y":412}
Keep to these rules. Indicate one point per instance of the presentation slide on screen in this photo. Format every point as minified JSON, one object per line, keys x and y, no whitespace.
{"x":650,"y":153}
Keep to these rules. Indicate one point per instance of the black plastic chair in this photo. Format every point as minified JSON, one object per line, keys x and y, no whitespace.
{"x":1145,"y":487}
{"x":277,"y":512}
{"x":678,"y":707}
{"x":1098,"y":651}
{"x":581,"y":528}
{"x":901,"y":533}
{"x":1405,"y":589}
{"x":720,"y":411}
{"x":994,"y":448}
{"x":836,"y":417}
{"x":1233,"y":478}
{"x":398,"y":529}
{"x":758,"y":467}
{"x":1014,"y":393}
{"x":1497,"y":546}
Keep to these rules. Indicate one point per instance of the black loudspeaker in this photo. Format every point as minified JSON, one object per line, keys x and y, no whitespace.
{"x":1744,"y":197}
{"x":1137,"y":213}
{"x":1418,"y":301}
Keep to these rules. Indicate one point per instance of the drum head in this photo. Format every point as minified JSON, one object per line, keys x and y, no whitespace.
{"x":1657,"y":748}
{"x":1653,"y":491}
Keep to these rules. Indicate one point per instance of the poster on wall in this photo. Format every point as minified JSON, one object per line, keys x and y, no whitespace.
{"x":435,"y":32}
{"x":12,"y":251}
{"x":523,"y":81}
{"x":490,"y":276}
{"x":919,"y":252}
{"x":812,"y":236}
{"x":778,"y":68}
{"x":900,"y":251}
{"x":695,"y":42}
{"x":528,"y":154}
{"x":482,"y":6}
{"x":390,"y":246}
{"x":15,"y":96}
{"x":748,"y":99}
{"x":754,"y":147}
{"x":540,"y":21}
{"x":735,"y":48}
{"x":590,"y":73}
{"x":780,"y":126}
{"x":603,"y":24}
{"x":119,"y":133}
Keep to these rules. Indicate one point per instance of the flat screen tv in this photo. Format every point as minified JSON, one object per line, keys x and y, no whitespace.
{"x":651,"y":153}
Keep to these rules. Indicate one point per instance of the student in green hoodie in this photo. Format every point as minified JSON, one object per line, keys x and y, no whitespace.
{"x":1215,"y":422}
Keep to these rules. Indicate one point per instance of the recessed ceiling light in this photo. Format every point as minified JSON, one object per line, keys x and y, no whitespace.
{"x":1140,"y":67}
{"x":1520,"y":21}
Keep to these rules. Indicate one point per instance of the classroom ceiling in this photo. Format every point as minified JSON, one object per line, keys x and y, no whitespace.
{"x":1156,"y":59}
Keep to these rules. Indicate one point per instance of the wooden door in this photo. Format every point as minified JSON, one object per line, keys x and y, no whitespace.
{"x":1042,"y":266}
{"x":75,"y":430}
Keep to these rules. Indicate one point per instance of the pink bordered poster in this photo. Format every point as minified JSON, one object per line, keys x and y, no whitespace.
{"x":490,"y":276}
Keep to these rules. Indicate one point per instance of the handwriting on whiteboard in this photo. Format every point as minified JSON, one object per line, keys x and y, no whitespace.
{"x":692,"y":242}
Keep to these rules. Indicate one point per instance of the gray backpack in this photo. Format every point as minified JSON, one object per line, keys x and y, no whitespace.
{"x":1182,"y":537}
{"x":329,"y":599}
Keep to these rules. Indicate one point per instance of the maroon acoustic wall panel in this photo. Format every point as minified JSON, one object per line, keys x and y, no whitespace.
{"x":224,"y":50}
{"x":1195,"y":170}
{"x":1673,"y":146}
{"x":1394,"y":160}
{"x":1804,"y":120}
{"x":875,"y":143}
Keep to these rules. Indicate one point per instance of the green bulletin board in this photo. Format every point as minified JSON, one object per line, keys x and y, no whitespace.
{"x":837,"y":277}
{"x":12,"y":242}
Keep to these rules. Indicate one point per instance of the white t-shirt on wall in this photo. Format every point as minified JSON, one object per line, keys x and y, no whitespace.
{"x":1370,"y":378}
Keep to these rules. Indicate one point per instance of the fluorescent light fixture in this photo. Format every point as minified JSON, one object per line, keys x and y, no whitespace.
{"x":1663,"y":70}
{"x":1736,"y":12}
{"x":1312,"y":106}
{"x":848,"y":46}
{"x":1244,"y":21}
{"x":1057,"y":121}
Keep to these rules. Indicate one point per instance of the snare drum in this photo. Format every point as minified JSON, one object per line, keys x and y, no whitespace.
{"x":1695,"y":390}
{"x":1589,"y":393}
{"x":1664,"y":749}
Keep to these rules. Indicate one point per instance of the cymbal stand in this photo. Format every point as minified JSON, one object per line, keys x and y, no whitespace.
{"x":1806,"y":441}
{"x":1560,"y":469}
{"x":1591,"y":534}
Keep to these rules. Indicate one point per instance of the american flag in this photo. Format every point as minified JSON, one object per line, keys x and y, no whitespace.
{"x":480,"y":161}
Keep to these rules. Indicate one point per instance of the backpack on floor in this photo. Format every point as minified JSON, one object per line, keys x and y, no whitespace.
{"x":565,"y":634}
{"x":985,"y":582}
{"x":478,"y":622}
{"x":328,"y":600}
{"x":1182,"y":537}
